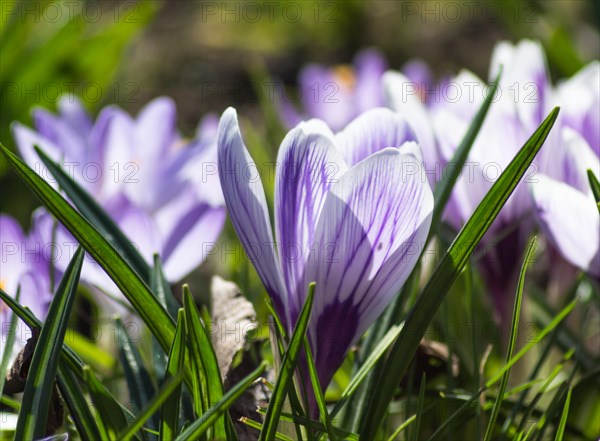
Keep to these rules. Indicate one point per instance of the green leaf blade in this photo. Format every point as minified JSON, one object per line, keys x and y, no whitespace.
{"x":44,"y":364}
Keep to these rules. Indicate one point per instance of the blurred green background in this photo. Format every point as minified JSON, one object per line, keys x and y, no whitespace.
{"x":206,"y":54}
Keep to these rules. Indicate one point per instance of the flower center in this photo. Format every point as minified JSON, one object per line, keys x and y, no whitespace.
{"x":344,"y":76}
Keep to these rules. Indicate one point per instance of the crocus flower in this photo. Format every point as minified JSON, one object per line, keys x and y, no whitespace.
{"x":521,"y":103}
{"x":352,"y":212}
{"x":25,"y":264}
{"x":138,"y":169}
{"x":567,"y":209}
{"x":339,"y":94}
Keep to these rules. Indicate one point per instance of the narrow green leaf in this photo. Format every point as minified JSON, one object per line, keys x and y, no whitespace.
{"x":258,"y":426}
{"x":87,"y":426}
{"x":205,"y":359}
{"x":512,"y":339}
{"x":168,"y":389}
{"x":199,"y":427}
{"x":367,"y":367}
{"x":443,"y":189}
{"x":318,"y":391}
{"x":595,"y":186}
{"x":288,"y":365}
{"x":312,"y":425}
{"x":127,"y":279}
{"x":44,"y":363}
{"x":114,"y":416}
{"x":419,"y":414}
{"x":139,"y":383}
{"x":96,"y":216}
{"x":10,"y":341}
{"x":446,"y":272}
{"x":563,"y":419}
{"x":555,"y":321}
{"x":169,"y":420}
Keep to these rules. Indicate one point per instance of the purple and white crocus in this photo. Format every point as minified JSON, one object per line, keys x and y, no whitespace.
{"x":565,"y":205}
{"x":338,"y":94}
{"x":24,"y":263}
{"x":352,"y":213}
{"x":138,"y":169}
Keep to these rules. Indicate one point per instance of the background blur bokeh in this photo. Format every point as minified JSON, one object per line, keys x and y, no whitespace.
{"x":211,"y":54}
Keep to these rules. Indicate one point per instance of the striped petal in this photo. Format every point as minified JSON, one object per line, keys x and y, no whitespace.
{"x":369,"y":236}
{"x":372,"y":131}
{"x":308,"y":164}
{"x":570,"y":218}
{"x":247,"y":206}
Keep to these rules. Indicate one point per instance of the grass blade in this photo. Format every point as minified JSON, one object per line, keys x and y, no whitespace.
{"x":140,"y":385}
{"x":444,"y":188}
{"x":87,"y":426}
{"x":127,"y":279}
{"x":199,"y":427}
{"x":288,"y":366}
{"x":367,"y":367}
{"x":512,"y":340}
{"x":10,"y":341}
{"x":595,"y":186}
{"x":170,"y":410}
{"x":96,"y":215}
{"x":44,"y":364}
{"x":204,"y":357}
{"x":113,"y":415}
{"x":316,"y":385}
{"x":169,"y":388}
{"x":447,"y":271}
{"x":419,"y":414}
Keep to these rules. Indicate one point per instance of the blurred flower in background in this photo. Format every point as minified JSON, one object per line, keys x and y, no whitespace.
{"x":25,"y":263}
{"x":339,"y":94}
{"x":160,"y":189}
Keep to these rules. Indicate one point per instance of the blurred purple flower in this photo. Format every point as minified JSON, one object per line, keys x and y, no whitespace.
{"x":339,"y":94}
{"x":352,"y":213}
{"x":24,"y":264}
{"x":162,"y":190}
{"x":521,"y":103}
{"x":566,"y":208}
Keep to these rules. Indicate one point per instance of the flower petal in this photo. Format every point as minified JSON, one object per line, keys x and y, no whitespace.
{"x":370,"y":234}
{"x":192,"y":240}
{"x":13,"y":263}
{"x":308,"y":164}
{"x":571,"y":220}
{"x":247,"y":206}
{"x":372,"y":131}
{"x":403,"y":97}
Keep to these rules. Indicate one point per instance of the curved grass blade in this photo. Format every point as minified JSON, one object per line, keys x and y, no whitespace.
{"x":199,"y":427}
{"x":288,"y":365}
{"x":447,"y":271}
{"x":96,"y":215}
{"x":419,"y":414}
{"x":314,"y":378}
{"x":258,"y":426}
{"x":469,"y":403}
{"x":366,"y":368}
{"x":444,"y":188}
{"x":512,"y":339}
{"x":170,"y":410}
{"x":595,"y":186}
{"x":44,"y":364}
{"x":139,"y":383}
{"x":563,"y":419}
{"x":71,"y":361}
{"x":113,"y":415}
{"x":169,"y":388}
{"x":205,"y":360}
{"x":87,"y":426}
{"x":10,"y":341}
{"x":127,"y":279}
